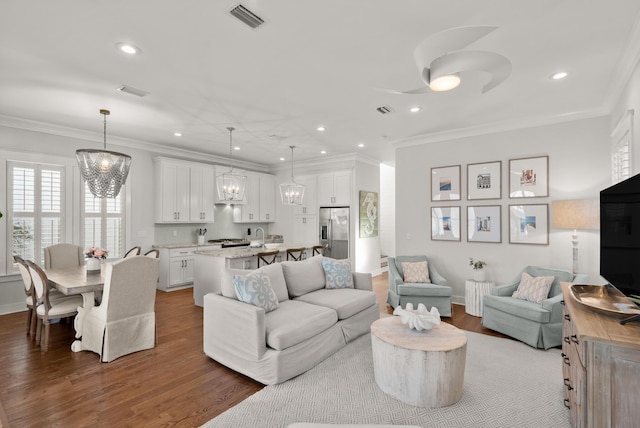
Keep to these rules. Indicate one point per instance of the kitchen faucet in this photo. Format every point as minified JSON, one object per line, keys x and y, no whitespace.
{"x":261,"y":230}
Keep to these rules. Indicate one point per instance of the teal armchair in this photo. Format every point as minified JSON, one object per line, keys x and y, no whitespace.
{"x":437,"y":293}
{"x":536,"y":324}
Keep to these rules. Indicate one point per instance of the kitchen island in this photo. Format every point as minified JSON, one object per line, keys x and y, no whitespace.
{"x":209,"y":265}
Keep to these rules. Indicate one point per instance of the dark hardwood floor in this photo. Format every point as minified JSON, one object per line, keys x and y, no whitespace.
{"x":174,"y":384}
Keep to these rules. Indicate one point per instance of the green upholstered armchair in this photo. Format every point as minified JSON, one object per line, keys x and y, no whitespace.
{"x":536,"y":324}
{"x":437,"y":293}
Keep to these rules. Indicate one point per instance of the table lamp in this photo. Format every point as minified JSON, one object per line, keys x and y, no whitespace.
{"x":576,"y":214}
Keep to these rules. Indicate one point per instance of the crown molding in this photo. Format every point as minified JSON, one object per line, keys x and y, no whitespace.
{"x":498,"y":127}
{"x":332,"y":162}
{"x":624,"y":69}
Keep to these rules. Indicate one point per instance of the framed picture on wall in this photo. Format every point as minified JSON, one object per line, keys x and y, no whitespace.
{"x":445,"y":183}
{"x":484,"y":180}
{"x":529,"y":177}
{"x":484,"y":224}
{"x":529,"y":224}
{"x":368,"y":214}
{"x":445,"y":223}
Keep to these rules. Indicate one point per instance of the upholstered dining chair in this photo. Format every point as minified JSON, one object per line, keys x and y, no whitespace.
{"x":267,"y":257}
{"x":296,"y":254}
{"x":63,"y":255}
{"x":30,"y":300}
{"x":153,"y":254}
{"x":135,"y":251}
{"x":48,"y":308}
{"x":125,"y":320}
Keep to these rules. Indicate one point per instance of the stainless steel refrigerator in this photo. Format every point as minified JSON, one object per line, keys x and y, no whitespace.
{"x":334,"y":231}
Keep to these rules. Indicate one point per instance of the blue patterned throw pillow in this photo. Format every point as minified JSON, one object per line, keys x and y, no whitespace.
{"x":337,"y":273}
{"x":256,"y":290}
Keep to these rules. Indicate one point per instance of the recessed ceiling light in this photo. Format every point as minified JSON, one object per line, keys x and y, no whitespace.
{"x":415,"y":109}
{"x":321,"y":128}
{"x":559,"y":75}
{"x":361,"y":145}
{"x":236,"y":148}
{"x":323,"y":152}
{"x":282,"y":159}
{"x":177,"y":134}
{"x":128,"y":48}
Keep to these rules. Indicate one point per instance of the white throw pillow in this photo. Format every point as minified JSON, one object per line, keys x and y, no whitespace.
{"x":255,"y":289}
{"x":337,"y":273}
{"x":533,"y":288}
{"x":416,"y":272}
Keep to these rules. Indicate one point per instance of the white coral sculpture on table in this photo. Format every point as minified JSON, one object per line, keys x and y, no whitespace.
{"x":420,"y":319}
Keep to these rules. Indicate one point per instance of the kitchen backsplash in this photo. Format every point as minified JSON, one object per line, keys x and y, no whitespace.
{"x":223,"y":227}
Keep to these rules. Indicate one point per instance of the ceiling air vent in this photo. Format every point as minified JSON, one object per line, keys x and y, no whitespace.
{"x":384,"y":110}
{"x":133,"y":91}
{"x":246,"y":16}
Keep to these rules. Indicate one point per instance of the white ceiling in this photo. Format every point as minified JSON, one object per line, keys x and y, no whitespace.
{"x":311,"y":63}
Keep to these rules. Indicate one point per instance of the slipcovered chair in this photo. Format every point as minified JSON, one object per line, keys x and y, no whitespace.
{"x":536,"y":324}
{"x":63,"y":255}
{"x":125,"y":320}
{"x":436,"y":293}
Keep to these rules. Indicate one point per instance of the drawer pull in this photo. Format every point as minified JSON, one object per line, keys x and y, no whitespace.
{"x":574,"y":339}
{"x":567,"y":361}
{"x":567,"y":384}
{"x":566,"y":339}
{"x":563,"y":355}
{"x":567,"y":317}
{"x":566,"y":403}
{"x":562,"y":302}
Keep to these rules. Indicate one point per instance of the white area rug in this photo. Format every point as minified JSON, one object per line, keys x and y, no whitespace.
{"x":507,"y":384}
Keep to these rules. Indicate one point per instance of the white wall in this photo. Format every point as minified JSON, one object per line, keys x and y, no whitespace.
{"x":578,"y":169}
{"x":388,"y":210}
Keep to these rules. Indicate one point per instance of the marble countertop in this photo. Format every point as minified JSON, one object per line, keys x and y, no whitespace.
{"x":241,"y":252}
{"x":172,"y":246}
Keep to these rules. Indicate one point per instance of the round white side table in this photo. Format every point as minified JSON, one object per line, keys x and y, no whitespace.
{"x":474,"y":291}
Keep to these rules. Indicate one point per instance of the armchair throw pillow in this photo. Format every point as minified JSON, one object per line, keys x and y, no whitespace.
{"x":337,"y":273}
{"x":533,"y":288}
{"x":416,"y":272}
{"x":255,"y":289}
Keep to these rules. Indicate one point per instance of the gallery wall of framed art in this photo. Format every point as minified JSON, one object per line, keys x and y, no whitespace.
{"x":526,"y":223}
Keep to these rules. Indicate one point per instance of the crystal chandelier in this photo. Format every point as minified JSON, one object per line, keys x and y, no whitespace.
{"x":231,"y":186}
{"x":104,"y":171}
{"x":291,"y":193}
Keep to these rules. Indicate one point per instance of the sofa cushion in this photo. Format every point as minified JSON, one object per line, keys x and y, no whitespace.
{"x":337,"y":273}
{"x":274,"y":272}
{"x":533,"y":288}
{"x":519,"y":308}
{"x":304,"y":276}
{"x":345,"y":301}
{"x":295,"y":322}
{"x":255,"y":289}
{"x":416,"y":271}
{"x":423,"y":289}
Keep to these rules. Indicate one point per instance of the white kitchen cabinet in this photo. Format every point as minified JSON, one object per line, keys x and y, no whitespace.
{"x":172,"y":193}
{"x":202,"y":189}
{"x":260,"y":200}
{"x":305,"y":230}
{"x":177,"y":267}
{"x":334,"y":189}
{"x":309,"y":204}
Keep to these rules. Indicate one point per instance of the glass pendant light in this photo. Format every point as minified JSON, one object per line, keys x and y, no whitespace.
{"x":104,"y":171}
{"x":291,"y":193}
{"x":231,"y":186}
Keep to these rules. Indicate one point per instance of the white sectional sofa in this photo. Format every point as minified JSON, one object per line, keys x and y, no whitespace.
{"x":310,"y":323}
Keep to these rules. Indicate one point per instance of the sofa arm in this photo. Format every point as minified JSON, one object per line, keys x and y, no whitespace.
{"x":394,"y":276}
{"x":504,"y":289}
{"x":580,"y":278}
{"x":554,"y":305}
{"x":362,"y":281}
{"x":237,"y":327}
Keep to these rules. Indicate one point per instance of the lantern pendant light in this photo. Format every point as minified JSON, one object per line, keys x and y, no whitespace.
{"x":291,"y":193}
{"x":104,"y":171}
{"x":230,"y":185}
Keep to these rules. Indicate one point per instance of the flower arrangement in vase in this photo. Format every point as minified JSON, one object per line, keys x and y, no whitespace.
{"x":93,"y":258}
{"x":478,"y":269}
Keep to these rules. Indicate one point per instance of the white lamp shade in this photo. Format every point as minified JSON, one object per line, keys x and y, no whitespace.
{"x":231,"y":186}
{"x":291,"y":193}
{"x":576,"y":214}
{"x":444,"y":83}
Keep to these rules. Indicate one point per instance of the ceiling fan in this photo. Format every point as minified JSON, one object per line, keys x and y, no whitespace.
{"x":440,"y":60}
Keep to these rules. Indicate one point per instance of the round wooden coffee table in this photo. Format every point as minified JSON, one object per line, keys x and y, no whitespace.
{"x":419,"y":368}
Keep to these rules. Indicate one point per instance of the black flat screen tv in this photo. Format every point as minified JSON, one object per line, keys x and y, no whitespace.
{"x":620,"y":236}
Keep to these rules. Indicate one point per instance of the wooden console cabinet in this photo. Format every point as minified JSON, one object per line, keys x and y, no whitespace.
{"x":601,"y":367}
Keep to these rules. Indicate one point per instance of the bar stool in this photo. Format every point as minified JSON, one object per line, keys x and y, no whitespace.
{"x":318,"y":249}
{"x":295,"y":253}
{"x":267,"y":257}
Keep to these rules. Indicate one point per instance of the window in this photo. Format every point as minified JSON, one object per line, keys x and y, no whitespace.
{"x":621,"y":149}
{"x":36,"y":209}
{"x":103,"y":222}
